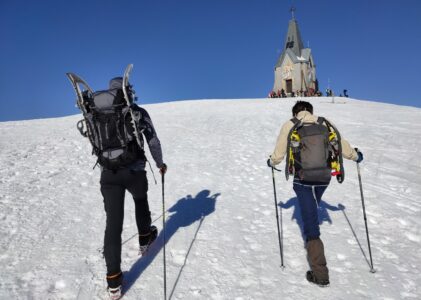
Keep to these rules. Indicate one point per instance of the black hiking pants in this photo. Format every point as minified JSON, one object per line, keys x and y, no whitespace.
{"x":113,"y":188}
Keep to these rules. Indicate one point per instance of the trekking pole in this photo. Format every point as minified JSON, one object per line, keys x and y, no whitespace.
{"x":372,"y":270}
{"x":280,"y":232}
{"x":163,"y":233}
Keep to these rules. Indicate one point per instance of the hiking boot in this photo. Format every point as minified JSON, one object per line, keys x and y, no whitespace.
{"x":313,"y":279}
{"x":146,"y":239}
{"x":114,"y":285}
{"x":317,"y":260}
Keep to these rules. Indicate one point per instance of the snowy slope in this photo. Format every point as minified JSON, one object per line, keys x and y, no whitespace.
{"x":221,"y":226}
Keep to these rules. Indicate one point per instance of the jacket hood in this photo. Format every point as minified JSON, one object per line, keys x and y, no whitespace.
{"x":305,"y":115}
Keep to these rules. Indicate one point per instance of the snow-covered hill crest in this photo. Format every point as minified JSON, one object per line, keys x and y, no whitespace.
{"x":222,"y":236}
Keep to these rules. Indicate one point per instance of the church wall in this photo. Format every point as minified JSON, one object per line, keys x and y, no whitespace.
{"x":278,"y":80}
{"x":282,"y":73}
{"x":296,"y":83}
{"x":289,"y":70}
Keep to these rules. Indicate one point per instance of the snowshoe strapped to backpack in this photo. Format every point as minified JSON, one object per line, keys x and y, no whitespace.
{"x":314,"y":152}
{"x":108,"y":124}
{"x":110,"y":121}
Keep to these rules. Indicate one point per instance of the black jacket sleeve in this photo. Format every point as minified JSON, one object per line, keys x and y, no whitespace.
{"x":148,"y":130}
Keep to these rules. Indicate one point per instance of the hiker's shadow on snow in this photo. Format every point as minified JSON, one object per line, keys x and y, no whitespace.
{"x":184,"y":213}
{"x":322,"y":211}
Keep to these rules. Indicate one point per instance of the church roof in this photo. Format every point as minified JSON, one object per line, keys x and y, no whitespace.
{"x":305,"y":53}
{"x":293,"y":40}
{"x":304,"y":57}
{"x":294,"y":46}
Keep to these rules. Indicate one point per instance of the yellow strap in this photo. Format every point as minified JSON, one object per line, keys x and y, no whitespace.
{"x":335,"y":166}
{"x":295,"y":136}
{"x":332,"y":135}
{"x":291,"y":155}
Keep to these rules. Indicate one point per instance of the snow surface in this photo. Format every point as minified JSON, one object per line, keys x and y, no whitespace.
{"x":221,"y":226}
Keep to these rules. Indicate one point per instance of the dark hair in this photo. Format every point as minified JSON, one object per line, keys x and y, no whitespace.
{"x":302,"y":106}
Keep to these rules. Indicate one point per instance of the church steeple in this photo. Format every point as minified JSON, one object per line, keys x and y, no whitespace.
{"x":293,"y":40}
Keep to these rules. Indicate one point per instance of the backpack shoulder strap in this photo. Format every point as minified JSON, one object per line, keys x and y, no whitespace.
{"x":320,"y":120}
{"x":295,"y":120}
{"x":137,"y":113}
{"x":331,"y":127}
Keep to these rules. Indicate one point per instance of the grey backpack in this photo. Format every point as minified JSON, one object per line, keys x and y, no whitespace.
{"x":309,"y":155}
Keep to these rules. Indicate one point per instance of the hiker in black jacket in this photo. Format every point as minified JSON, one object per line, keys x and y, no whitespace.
{"x":132,"y":178}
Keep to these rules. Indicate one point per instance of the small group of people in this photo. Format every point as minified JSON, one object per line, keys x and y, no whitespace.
{"x":330,"y":93}
{"x":132,"y":178}
{"x":311,"y":93}
{"x":281,"y":94}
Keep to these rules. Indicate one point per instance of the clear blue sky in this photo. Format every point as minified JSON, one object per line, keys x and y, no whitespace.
{"x":196,"y":49}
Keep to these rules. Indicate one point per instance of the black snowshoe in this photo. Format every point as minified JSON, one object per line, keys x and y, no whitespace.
{"x":145,"y":240}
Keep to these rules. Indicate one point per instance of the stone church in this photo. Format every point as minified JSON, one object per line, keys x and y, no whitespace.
{"x":295,"y":71}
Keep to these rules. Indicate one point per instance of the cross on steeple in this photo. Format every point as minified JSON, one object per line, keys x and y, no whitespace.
{"x":292,"y":10}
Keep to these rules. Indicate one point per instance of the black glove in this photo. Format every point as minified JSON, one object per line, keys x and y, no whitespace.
{"x":360,"y":156}
{"x":269,"y":163}
{"x":163,"y":169}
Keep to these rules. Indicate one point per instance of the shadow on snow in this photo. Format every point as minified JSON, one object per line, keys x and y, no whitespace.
{"x":186,"y":211}
{"x":322,"y":211}
{"x":341,"y":207}
{"x":323,"y":216}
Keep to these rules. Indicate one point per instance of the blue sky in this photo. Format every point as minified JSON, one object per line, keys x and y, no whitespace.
{"x":201,"y":49}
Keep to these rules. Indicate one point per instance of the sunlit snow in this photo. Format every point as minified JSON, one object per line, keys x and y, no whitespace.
{"x":221,"y":225}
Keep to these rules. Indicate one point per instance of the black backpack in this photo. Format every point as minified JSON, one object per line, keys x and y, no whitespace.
{"x":313,"y":151}
{"x":110,"y":129}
